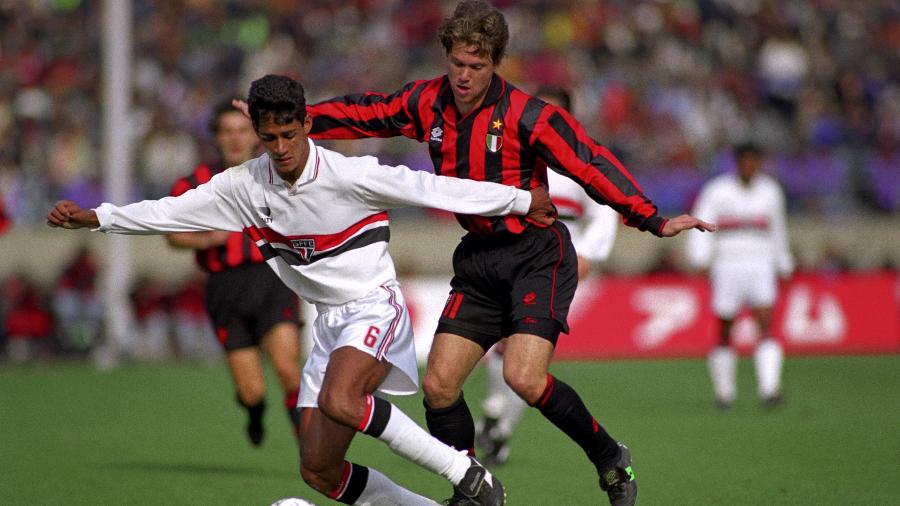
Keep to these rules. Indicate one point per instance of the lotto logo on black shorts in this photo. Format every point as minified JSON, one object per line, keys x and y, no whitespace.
{"x":529,"y":299}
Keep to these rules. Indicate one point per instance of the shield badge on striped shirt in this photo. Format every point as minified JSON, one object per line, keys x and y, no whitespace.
{"x":494,"y":142}
{"x":306,"y":248}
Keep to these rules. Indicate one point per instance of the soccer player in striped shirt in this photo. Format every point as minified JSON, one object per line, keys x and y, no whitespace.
{"x":320,"y":220}
{"x":512,"y":278}
{"x":593,"y":228}
{"x":249,"y":306}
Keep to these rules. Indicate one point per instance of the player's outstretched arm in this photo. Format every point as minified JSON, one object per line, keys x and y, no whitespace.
{"x":678,"y":224}
{"x":67,"y":214}
{"x":542,"y":210}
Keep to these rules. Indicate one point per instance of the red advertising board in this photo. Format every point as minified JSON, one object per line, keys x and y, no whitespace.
{"x":670,"y":316}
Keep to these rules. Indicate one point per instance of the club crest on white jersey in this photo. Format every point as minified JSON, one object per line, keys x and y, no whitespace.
{"x":306,"y":248}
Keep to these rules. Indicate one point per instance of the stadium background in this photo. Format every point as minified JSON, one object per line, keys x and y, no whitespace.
{"x":667,"y":85}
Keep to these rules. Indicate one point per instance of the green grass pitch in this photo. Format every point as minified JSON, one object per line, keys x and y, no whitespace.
{"x":172,"y":434}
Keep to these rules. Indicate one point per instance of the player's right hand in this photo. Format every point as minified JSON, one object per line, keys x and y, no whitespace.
{"x":542,"y":211}
{"x":67,"y":214}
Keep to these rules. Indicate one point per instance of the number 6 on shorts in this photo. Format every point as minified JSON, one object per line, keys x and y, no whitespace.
{"x":371,"y":336}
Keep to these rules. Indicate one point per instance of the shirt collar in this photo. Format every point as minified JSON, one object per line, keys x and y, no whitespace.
{"x":310,"y":169}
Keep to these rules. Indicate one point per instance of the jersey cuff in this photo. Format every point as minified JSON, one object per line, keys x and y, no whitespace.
{"x":104,"y":216}
{"x":522,"y":202}
{"x":655,"y":224}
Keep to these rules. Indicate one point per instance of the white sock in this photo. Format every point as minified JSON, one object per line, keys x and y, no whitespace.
{"x":381,"y":491}
{"x":768,"y":359}
{"x":412,"y":442}
{"x":495,"y":401}
{"x":723,"y":373}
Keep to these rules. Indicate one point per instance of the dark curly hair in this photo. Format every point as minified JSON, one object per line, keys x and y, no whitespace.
{"x":476,"y":23}
{"x":278,"y":96}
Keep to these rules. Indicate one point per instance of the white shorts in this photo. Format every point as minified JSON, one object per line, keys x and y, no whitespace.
{"x":738,"y":284}
{"x":378,"y":324}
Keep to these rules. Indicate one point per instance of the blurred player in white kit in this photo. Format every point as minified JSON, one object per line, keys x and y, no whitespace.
{"x":593,"y":229}
{"x":742,"y":262}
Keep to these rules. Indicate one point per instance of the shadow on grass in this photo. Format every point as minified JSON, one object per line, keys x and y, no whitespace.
{"x":196,"y":468}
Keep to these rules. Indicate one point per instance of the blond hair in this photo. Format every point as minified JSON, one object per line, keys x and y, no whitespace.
{"x":479,"y":24}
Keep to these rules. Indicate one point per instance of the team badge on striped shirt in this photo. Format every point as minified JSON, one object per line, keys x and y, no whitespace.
{"x":306,"y":247}
{"x":494,"y":142}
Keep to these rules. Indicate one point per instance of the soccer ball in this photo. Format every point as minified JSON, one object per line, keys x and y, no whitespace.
{"x":292,"y":501}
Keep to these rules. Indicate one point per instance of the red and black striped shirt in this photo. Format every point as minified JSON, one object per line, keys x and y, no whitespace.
{"x":510,"y":139}
{"x":240,"y":248}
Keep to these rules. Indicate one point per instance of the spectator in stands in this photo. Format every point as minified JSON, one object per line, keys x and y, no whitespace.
{"x":153,"y":324}
{"x":77,"y":305}
{"x":28,"y":324}
{"x":5,"y":221}
{"x":710,"y":72}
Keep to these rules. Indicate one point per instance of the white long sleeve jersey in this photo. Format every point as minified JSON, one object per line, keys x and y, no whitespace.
{"x":750,"y":220}
{"x":593,"y":226}
{"x":326,"y":236}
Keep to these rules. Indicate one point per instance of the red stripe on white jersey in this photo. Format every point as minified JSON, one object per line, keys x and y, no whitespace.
{"x":324,"y":242}
{"x":389,"y":335}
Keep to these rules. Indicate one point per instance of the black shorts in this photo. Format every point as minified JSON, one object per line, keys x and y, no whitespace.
{"x":503,"y":285}
{"x":245,"y":302}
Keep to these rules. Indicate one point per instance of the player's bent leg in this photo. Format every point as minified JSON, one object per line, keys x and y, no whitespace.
{"x":525,"y":365}
{"x":350,"y":378}
{"x":447,"y":415}
{"x":527,"y":357}
{"x":247,"y":373}
{"x":450,"y":362}
{"x":282,"y":342}
{"x":323,"y":445}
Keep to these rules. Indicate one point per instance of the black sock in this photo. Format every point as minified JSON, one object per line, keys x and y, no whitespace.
{"x":348,"y":492}
{"x":564,"y":408}
{"x":254,"y":411}
{"x":255,"y":430}
{"x":290,"y":404}
{"x":376,"y":417}
{"x":452,"y":425}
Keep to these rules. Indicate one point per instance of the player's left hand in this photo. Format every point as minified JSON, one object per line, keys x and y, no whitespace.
{"x":542,"y":211}
{"x":685,"y":222}
{"x":67,"y":214}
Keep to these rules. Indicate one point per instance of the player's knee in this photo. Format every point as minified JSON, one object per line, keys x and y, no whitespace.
{"x":320,"y":479}
{"x":439,"y":392}
{"x":527,"y":384}
{"x":341,"y":406}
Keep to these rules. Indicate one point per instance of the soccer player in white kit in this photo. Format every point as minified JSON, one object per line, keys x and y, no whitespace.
{"x":743,"y":261}
{"x":319,"y":219}
{"x":593,"y":229}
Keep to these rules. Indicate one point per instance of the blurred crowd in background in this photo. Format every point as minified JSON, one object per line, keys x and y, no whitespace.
{"x":667,"y":85}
